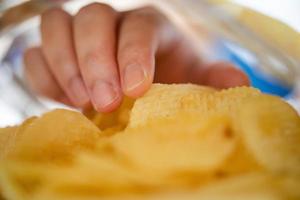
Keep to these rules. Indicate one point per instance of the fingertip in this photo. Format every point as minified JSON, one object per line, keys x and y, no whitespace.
{"x":135,"y":80}
{"x":225,"y":75}
{"x":238,"y":78}
{"x":138,"y":91}
{"x":108,"y":108}
{"x":106,"y":97}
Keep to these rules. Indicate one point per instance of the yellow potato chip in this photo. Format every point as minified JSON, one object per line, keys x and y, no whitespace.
{"x":20,"y":180}
{"x":9,"y":136}
{"x":271,"y":131}
{"x":116,"y":120}
{"x":248,"y":186}
{"x":6,"y":136}
{"x":240,"y":162}
{"x":180,"y":144}
{"x":54,"y":136}
{"x":100,"y":175}
{"x":104,"y":177}
{"x":163,"y":101}
{"x":229,"y":100}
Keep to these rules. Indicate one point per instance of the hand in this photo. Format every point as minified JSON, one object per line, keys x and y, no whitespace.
{"x":100,"y":54}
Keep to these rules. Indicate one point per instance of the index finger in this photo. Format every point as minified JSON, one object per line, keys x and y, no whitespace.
{"x":142,"y":33}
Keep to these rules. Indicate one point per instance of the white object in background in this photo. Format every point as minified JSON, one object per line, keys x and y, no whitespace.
{"x":287,"y":11}
{"x":9,"y":116}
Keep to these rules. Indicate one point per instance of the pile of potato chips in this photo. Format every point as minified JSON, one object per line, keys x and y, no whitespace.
{"x":176,"y":142}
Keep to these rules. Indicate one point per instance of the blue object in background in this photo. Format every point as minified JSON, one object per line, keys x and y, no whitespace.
{"x":244,"y":60}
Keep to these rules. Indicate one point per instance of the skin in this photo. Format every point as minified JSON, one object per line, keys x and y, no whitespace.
{"x":99,"y":55}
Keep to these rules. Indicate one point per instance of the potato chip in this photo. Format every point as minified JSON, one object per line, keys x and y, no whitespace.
{"x":10,"y":135}
{"x":163,"y":101}
{"x":116,"y":120}
{"x":229,"y":100}
{"x":271,"y":131}
{"x":53,"y":136}
{"x":179,"y":144}
{"x":20,"y":180}
{"x":100,"y":175}
{"x":6,"y":137}
{"x":241,"y":161}
{"x":27,"y":123}
{"x":248,"y":186}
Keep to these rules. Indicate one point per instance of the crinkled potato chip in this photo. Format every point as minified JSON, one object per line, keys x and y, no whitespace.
{"x":113,"y":170}
{"x":100,"y":175}
{"x":229,"y":100}
{"x":11,"y":135}
{"x":178,"y":144}
{"x":271,"y":131}
{"x":249,"y":186}
{"x":20,"y":180}
{"x":6,"y":138}
{"x":240,"y":161}
{"x":54,"y":136}
{"x":114,"y":121}
{"x":163,"y":101}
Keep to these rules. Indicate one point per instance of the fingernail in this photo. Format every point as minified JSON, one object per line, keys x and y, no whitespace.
{"x":104,"y":94}
{"x":134,"y":75}
{"x":78,"y":90}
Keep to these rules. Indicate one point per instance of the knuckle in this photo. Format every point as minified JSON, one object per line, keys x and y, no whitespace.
{"x":90,"y":58}
{"x":54,"y":13}
{"x":148,"y":14}
{"x":101,"y":6}
{"x":90,"y":9}
{"x":150,"y":10}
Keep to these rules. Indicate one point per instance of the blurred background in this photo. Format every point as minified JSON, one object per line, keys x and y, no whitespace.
{"x":260,"y":36}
